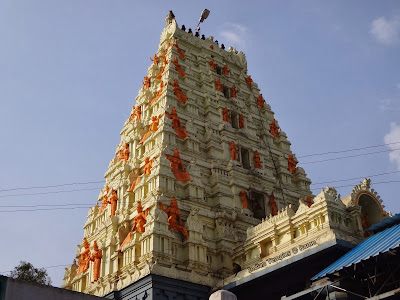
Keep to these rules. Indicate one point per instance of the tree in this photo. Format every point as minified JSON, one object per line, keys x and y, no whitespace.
{"x":27,"y":272}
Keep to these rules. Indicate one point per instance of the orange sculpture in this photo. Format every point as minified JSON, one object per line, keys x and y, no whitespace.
{"x":178,"y":92}
{"x":148,"y":164}
{"x":243,"y":198}
{"x":225,"y":70}
{"x":257,"y":160}
{"x":140,"y":220}
{"x":212,"y":65}
{"x":272,"y":203}
{"x":365,"y":225}
{"x":234,"y":91}
{"x":158,"y":94}
{"x":249,"y":80}
{"x":113,"y":202}
{"x":176,"y":123}
{"x":212,"y":47}
{"x":260,"y":101}
{"x":225,"y":114}
{"x":146,"y":83}
{"x":234,"y":151}
{"x":309,"y":201}
{"x":105,"y":200}
{"x":241,"y":121}
{"x":126,"y":151}
{"x":134,"y":184}
{"x":178,"y":67}
{"x":291,"y":164}
{"x":133,"y":113}
{"x":180,"y":52}
{"x":155,"y":120}
{"x":177,"y":167}
{"x":83,"y":262}
{"x":173,"y":214}
{"x":96,"y":259}
{"x":273,"y":128}
{"x":155,"y":59}
{"x":159,"y":76}
{"x":218,"y":85}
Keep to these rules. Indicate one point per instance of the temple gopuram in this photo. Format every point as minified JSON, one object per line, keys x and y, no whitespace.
{"x":204,"y":192}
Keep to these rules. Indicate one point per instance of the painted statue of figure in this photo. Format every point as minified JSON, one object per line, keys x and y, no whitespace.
{"x":291,"y":164}
{"x":273,"y":128}
{"x":139,"y":222}
{"x":212,"y":65}
{"x":173,"y":215}
{"x":225,"y":70}
{"x":155,"y":120}
{"x":134,"y":179}
{"x":249,"y":80}
{"x":177,"y":167}
{"x":309,"y":201}
{"x":218,"y":85}
{"x":260,"y":101}
{"x":243,"y":198}
{"x":178,"y":92}
{"x":155,"y":59}
{"x":148,"y":164}
{"x":273,"y":205}
{"x":133,"y":113}
{"x":365,"y":225}
{"x":233,"y":151}
{"x":158,"y":94}
{"x":159,"y":76}
{"x":257,"y":160}
{"x":138,"y":113}
{"x":178,"y":67}
{"x":146,"y":83}
{"x":176,"y":123}
{"x":105,"y":200}
{"x":96,"y":259}
{"x":126,"y":152}
{"x":234,"y":91}
{"x":225,"y":114}
{"x":241,"y":121}
{"x":180,"y":52}
{"x":83,"y":262}
{"x":113,"y":202}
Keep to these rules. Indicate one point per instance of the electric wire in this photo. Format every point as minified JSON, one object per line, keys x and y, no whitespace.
{"x":49,"y":267}
{"x":50,"y":186}
{"x":382,"y":182}
{"x":41,"y":209}
{"x":52,"y":192}
{"x":354,"y":178}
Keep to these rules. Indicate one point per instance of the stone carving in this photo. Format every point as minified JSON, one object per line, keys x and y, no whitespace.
{"x":146,"y":83}
{"x":291,"y":164}
{"x":309,"y":201}
{"x":257,"y":160}
{"x":96,"y":259}
{"x":174,"y":217}
{"x":176,"y":123}
{"x":134,"y":179}
{"x":234,"y":151}
{"x":241,"y":121}
{"x":124,"y":153}
{"x":243,"y":198}
{"x":273,"y":128}
{"x":113,"y":202}
{"x":83,"y":262}
{"x":249,"y":80}
{"x":158,"y":94}
{"x":155,"y":59}
{"x":178,"y":92}
{"x":225,"y":70}
{"x":260,"y":101}
{"x":178,"y":67}
{"x":105,"y":200}
{"x":212,"y":65}
{"x":155,"y":120}
{"x":234,"y":91}
{"x":218,"y":85}
{"x":225,"y":114}
{"x":138,"y":113}
{"x":148,"y":164}
{"x":170,"y":18}
{"x":365,"y":225}
{"x":159,"y":76}
{"x":194,"y":222}
{"x":123,"y":231}
{"x":177,"y":167}
{"x":273,"y":205}
{"x":133,"y":114}
{"x":180,"y":52}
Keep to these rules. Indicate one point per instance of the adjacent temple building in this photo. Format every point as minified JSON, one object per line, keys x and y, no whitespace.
{"x":204,"y":192}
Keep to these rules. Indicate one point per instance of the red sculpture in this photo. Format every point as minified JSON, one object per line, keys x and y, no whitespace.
{"x":113,"y":202}
{"x":178,"y":92}
{"x":146,"y":83}
{"x":234,"y":151}
{"x":212,"y":47}
{"x":158,"y":94}
{"x":148,"y":164}
{"x":291,"y":164}
{"x":96,"y":258}
{"x":273,"y":205}
{"x":173,"y":214}
{"x":218,"y":85}
{"x":180,"y":52}
{"x":124,"y":153}
{"x":260,"y":101}
{"x":241,"y":121}
{"x":134,"y":184}
{"x":155,"y":59}
{"x":225,"y":114}
{"x":234,"y":91}
{"x":155,"y":120}
{"x":249,"y":80}
{"x":133,"y":113}
{"x":309,"y":201}
{"x":225,"y":70}
{"x":178,"y":67}
{"x":83,"y":262}
{"x":177,"y":167}
{"x":243,"y":198}
{"x":105,"y":200}
{"x":212,"y":65}
{"x":257,"y":160}
{"x":176,"y":123}
{"x":273,"y":128}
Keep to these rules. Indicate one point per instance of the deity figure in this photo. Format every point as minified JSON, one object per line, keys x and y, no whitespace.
{"x":177,"y":167}
{"x":234,"y":91}
{"x":148,"y":164}
{"x":176,"y":123}
{"x":134,"y":182}
{"x":126,"y":152}
{"x":309,"y":201}
{"x":249,"y":80}
{"x":178,"y":67}
{"x":180,"y":52}
{"x":218,"y":85}
{"x":291,"y":164}
{"x":234,"y":151}
{"x":83,"y":262}
{"x":365,"y":225}
{"x":146,"y":83}
{"x":212,"y":47}
{"x":241,"y":121}
{"x":212,"y":65}
{"x":273,"y":205}
{"x":159,"y":76}
{"x":155,"y":120}
{"x":105,"y":200}
{"x":225,"y":114}
{"x":257,"y":160}
{"x":273,"y":128}
{"x":155,"y":59}
{"x":225,"y":70}
{"x":173,"y":215}
{"x":139,"y":222}
{"x":260,"y":101}
{"x":113,"y":202}
{"x":96,"y":259}
{"x":243,"y":198}
{"x":178,"y":92}
{"x":133,"y":113}
{"x":158,"y":94}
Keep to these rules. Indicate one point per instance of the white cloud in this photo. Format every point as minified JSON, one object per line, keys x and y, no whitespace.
{"x":386,"y":31}
{"x":392,"y":137}
{"x":233,"y":35}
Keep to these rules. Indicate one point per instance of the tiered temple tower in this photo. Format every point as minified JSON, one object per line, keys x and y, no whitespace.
{"x":203,"y":182}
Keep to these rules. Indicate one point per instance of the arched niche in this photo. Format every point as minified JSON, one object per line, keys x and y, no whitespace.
{"x":370,"y":207}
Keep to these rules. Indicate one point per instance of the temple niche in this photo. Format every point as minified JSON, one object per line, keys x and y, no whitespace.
{"x":192,"y":192}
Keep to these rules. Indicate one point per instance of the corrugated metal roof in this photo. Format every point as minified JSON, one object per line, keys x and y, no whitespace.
{"x":385,"y":223}
{"x":372,"y":246}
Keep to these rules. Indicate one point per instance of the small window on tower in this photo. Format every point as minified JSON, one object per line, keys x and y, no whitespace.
{"x":227,"y":92}
{"x":244,"y":153}
{"x":218,"y":70}
{"x":257,"y":204}
{"x":235,"y":120}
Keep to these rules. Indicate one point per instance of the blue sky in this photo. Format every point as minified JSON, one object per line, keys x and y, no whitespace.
{"x":70,"y":71}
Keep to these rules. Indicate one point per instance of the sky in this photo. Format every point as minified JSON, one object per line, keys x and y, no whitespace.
{"x":70,"y":71}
